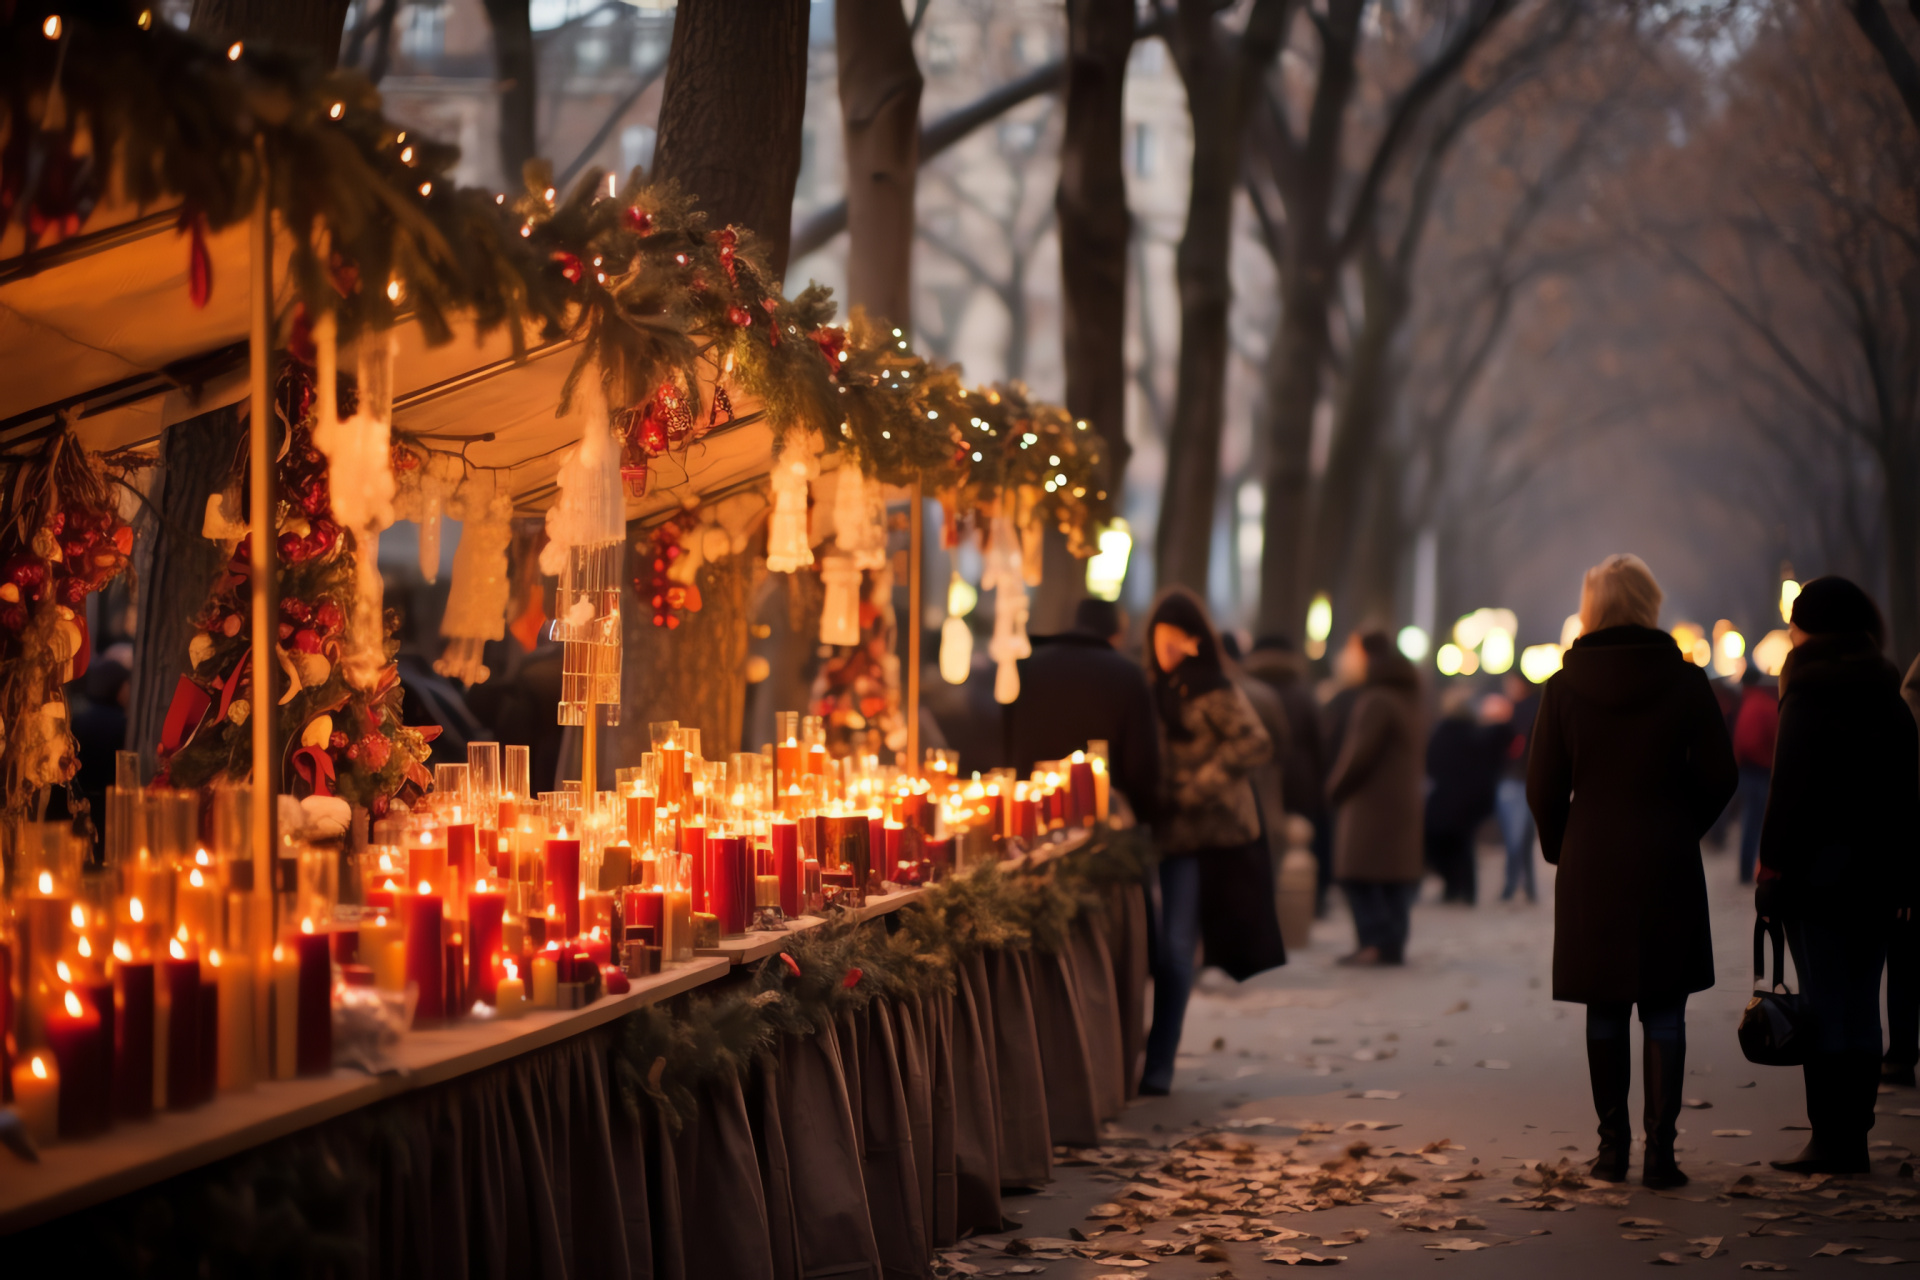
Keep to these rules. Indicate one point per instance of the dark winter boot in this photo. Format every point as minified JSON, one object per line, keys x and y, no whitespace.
{"x":1663,"y":1065}
{"x":1841,"y":1088}
{"x":1610,"y":1068}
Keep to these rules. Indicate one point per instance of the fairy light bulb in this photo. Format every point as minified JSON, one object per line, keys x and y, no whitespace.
{"x":46,"y":882}
{"x":74,"y":1008}
{"x":78,"y":915}
{"x":179,"y":952}
{"x":135,"y":910}
{"x":123,"y":953}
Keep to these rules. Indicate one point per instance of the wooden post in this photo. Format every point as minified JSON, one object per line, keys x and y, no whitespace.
{"x":915,"y":589}
{"x":265,"y":788}
{"x":589,"y":756}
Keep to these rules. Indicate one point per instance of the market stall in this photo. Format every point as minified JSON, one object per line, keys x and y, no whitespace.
{"x":776,"y":1012}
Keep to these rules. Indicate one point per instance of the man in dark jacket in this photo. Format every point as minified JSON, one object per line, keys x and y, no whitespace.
{"x":1463,"y":768}
{"x":1303,"y":760}
{"x":1755,"y":723}
{"x":1077,"y":688}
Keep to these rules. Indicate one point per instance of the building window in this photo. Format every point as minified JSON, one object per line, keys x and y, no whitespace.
{"x":423,"y":31}
{"x":636,"y":147}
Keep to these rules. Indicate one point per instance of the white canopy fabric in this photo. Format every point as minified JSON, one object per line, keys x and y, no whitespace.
{"x":103,"y":328}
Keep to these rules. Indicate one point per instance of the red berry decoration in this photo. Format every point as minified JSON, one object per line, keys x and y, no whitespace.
{"x":739,"y":316}
{"x":294,"y":609}
{"x":27,"y":572}
{"x":13,"y":617}
{"x":570,"y":266}
{"x":325,"y":534}
{"x":637,"y":220}
{"x":307,"y":640}
{"x":329,"y":617}
{"x":338,"y":742}
{"x":291,"y":548}
{"x":729,"y":242}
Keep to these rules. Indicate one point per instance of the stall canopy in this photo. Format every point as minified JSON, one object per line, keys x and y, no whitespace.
{"x":103,"y":329}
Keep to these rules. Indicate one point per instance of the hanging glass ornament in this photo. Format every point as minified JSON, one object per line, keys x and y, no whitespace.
{"x":360,"y":484}
{"x":586,"y":531}
{"x":956,"y":650}
{"x":859,"y":517}
{"x":787,"y":543}
{"x":1002,"y":574}
{"x":477,"y":597}
{"x":840,"y":615}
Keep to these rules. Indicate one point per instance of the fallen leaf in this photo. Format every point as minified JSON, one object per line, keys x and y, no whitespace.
{"x":1641,"y":1222}
{"x":1709,"y":1245}
{"x":1460,"y":1245}
{"x":1886,"y":1261}
{"x":1494,"y":1064}
{"x":1353,"y":1235}
{"x":1697,"y":1104}
{"x":1387,"y":1095}
{"x":1834,"y":1250}
{"x":1757,"y":1265}
{"x":1105,"y":1211}
{"x":1665,"y":1260}
{"x":1459,"y":1007}
{"x":1733,"y":1133}
{"x":1288,"y":1257}
{"x":1748,"y":1085}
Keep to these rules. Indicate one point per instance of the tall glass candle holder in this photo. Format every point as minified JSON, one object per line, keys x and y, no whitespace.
{"x":516,"y":786}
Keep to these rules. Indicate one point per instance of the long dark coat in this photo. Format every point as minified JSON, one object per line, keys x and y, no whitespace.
{"x":1377,"y":782}
{"x":1843,"y":816}
{"x":1630,"y":766}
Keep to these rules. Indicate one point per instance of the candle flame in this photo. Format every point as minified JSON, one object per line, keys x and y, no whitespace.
{"x":390,"y":886}
{"x":123,"y":953}
{"x":39,"y":1068}
{"x":181,"y":933}
{"x":513,"y":970}
{"x":135,"y":910}
{"x":86,"y":949}
{"x":195,"y":879}
{"x":73,"y":1005}
{"x":595,"y":933}
{"x":179,"y":952}
{"x":213,"y":957}
{"x":480,"y":885}
{"x":60,"y":967}
{"x":200,"y":857}
{"x":554,"y":945}
{"x":46,"y":882}
{"x":306,"y":924}
{"x":279,"y":953}
{"x":380,"y":922}
{"x":386,"y":862}
{"x":78,"y":915}
{"x":426,"y":886}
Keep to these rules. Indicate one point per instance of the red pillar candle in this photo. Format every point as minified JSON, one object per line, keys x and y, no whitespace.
{"x":693,"y":843}
{"x":180,"y":985}
{"x":939,"y":853}
{"x":313,"y":1044}
{"x":80,"y":1042}
{"x":209,"y":1059}
{"x":563,"y":882}
{"x":646,"y":909}
{"x":894,"y":834}
{"x":785,"y":839}
{"x":597,"y":949}
{"x":133,"y":1040}
{"x":486,"y":911}
{"x":1080,"y":785}
{"x":454,"y":973}
{"x":730,"y":883}
{"x":641,"y":808}
{"x":426,"y":955}
{"x":462,"y":846}
{"x":1024,"y":823}
{"x":487,"y":848}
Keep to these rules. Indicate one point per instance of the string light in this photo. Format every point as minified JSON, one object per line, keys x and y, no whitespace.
{"x":145,"y":20}
{"x":51,"y":27}
{"x":234,"y":51}
{"x":337,"y":110}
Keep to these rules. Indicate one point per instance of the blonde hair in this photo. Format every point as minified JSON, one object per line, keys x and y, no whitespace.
{"x":1619,"y":591}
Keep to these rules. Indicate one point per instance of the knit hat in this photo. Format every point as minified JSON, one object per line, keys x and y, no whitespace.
{"x":1834,"y":604}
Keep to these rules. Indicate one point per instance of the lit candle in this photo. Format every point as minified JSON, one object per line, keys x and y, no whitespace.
{"x":510,"y":994}
{"x":79,"y":1040}
{"x":693,"y":844}
{"x":563,"y":881}
{"x":729,"y":883}
{"x":383,"y":949}
{"x":133,"y":1032}
{"x":36,"y":1097}
{"x":895,"y":835}
{"x":180,"y":1013}
{"x":766,"y":891}
{"x":233,"y":982}
{"x":1080,"y":782}
{"x":462,"y":843}
{"x":427,"y":860}
{"x":286,"y":1004}
{"x":426,"y":955}
{"x":486,"y":913}
{"x":640,"y":814}
{"x":784,"y":837}
{"x":313,"y":1050}
{"x":546,"y":978}
{"x":676,"y":943}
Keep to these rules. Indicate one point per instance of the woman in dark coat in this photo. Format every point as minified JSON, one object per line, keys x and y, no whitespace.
{"x":1838,"y":852}
{"x":1209,"y":831}
{"x":1376,"y":788}
{"x":1630,"y":766}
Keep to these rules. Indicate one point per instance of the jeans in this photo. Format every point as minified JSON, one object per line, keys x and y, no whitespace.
{"x":1839,"y":958}
{"x":1174,"y":936}
{"x":1608,"y":1020}
{"x":1516,"y":829}
{"x":1752,"y":799}
{"x":1380,"y":915}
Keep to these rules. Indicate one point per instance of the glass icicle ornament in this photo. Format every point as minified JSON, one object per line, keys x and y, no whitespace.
{"x":477,"y":596}
{"x":859,"y":517}
{"x":586,"y":530}
{"x":360,"y":484}
{"x":788,"y":546}
{"x":1002,"y":573}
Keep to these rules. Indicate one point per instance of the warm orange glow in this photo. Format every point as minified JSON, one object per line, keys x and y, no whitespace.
{"x":39,"y":1068}
{"x":379,"y":922}
{"x":86,"y":949}
{"x":594,"y":933}
{"x":426,"y":886}
{"x":46,"y":882}
{"x":195,"y":879}
{"x":201,"y":859}
{"x":480,"y":885}
{"x":74,"y":1009}
{"x":306,"y":924}
{"x":179,"y":952}
{"x":60,"y":968}
{"x":181,"y":933}
{"x":78,"y":915}
{"x":213,"y":957}
{"x":135,"y":910}
{"x":279,"y":953}
{"x":390,"y":886}
{"x":513,"y":970}
{"x":123,"y":953}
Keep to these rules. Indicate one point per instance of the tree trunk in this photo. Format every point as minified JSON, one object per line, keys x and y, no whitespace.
{"x":1294,"y":365}
{"x":174,"y":567}
{"x":314,"y":26}
{"x":514,"y":67}
{"x":730,"y":136}
{"x":1372,"y":590}
{"x":1365,"y":399}
{"x":1094,"y":224}
{"x":880,"y":105}
{"x":1902,"y":487}
{"x":730,"y":118}
{"x":1221,"y":76}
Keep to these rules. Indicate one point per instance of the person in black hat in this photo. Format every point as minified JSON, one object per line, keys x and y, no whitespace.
{"x":1839,"y":850}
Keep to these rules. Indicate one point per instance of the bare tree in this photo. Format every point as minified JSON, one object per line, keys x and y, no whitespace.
{"x":515,"y":66}
{"x":880,"y":112}
{"x":314,"y":26}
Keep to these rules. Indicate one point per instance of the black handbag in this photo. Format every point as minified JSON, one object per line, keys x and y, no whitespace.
{"x":1777,"y":1028}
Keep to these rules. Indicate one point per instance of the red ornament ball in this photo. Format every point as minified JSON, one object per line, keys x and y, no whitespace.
{"x":570,"y":266}
{"x":739,"y":316}
{"x":329,"y":617}
{"x":637,"y":220}
{"x":307,"y":640}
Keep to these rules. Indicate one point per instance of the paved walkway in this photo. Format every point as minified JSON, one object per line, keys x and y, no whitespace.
{"x":1464,"y":1048}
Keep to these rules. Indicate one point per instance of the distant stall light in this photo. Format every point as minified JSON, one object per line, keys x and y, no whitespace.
{"x":1107,"y":567}
{"x":1414,"y":643}
{"x":1771,"y":650}
{"x":1449,"y":659}
{"x":1571,"y":630}
{"x":1789,"y":592}
{"x":1539,"y":661}
{"x":1496,"y":651}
